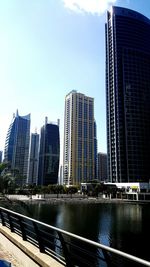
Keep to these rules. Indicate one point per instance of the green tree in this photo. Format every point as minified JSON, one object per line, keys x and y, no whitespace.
{"x":72,"y":190}
{"x":59,"y":189}
{"x":7,"y":179}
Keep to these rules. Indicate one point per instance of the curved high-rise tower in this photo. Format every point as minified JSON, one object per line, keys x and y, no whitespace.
{"x":128,"y":95}
{"x":17,"y":144}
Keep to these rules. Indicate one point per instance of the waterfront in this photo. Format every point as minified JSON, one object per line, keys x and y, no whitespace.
{"x":123,"y":226}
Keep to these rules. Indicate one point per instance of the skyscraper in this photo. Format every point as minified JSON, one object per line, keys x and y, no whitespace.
{"x":1,"y":153}
{"x":102,"y":167}
{"x":128,"y":95}
{"x":17,"y":144}
{"x":49,"y":154}
{"x":79,"y":139}
{"x":33,"y":159}
{"x":95,"y":150}
{"x":61,"y":175}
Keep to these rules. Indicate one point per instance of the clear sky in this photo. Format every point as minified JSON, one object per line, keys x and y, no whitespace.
{"x":47,"y":49}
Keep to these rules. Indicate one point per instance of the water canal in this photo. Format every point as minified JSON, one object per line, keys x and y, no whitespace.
{"x":123,"y":226}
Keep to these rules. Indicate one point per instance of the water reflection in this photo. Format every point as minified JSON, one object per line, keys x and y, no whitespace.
{"x":126,"y":223}
{"x":105,"y":225}
{"x":81,"y":220}
{"x":121,"y":226}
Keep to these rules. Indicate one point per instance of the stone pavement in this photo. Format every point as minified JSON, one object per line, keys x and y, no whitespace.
{"x":5,"y":255}
{"x":22,"y":253}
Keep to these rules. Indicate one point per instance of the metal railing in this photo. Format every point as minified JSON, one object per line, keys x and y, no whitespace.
{"x":70,"y":249}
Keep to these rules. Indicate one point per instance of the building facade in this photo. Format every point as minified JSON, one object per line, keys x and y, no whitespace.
{"x":17,"y":145}
{"x":95,"y":151}
{"x":128,"y":95}
{"x":79,"y":139}
{"x":102,"y":167}
{"x":33,"y":159}
{"x":49,"y":154}
{"x":61,"y":175}
{"x":1,"y":154}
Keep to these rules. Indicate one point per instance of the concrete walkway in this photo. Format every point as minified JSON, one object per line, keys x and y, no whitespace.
{"x":5,"y":255}
{"x":22,"y":253}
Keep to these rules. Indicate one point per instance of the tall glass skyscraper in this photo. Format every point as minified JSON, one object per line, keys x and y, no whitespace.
{"x":95,"y":151}
{"x":49,"y":154}
{"x":1,"y":153}
{"x":17,"y":144}
{"x":128,"y":95}
{"x":33,"y":159}
{"x":79,"y":139}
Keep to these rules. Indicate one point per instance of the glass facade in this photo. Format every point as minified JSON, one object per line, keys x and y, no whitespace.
{"x":17,"y":145}
{"x":49,"y":154}
{"x":1,"y":153}
{"x":33,"y":159}
{"x":95,"y":150}
{"x":128,"y":95}
{"x":102,"y":167}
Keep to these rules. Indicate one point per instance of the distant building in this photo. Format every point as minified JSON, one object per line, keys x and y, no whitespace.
{"x":79,"y":139}
{"x":33,"y":159}
{"x":102,"y":167}
{"x":49,"y":154}
{"x":61,"y":175}
{"x":132,"y":188}
{"x":95,"y":150}
{"x":17,"y":145}
{"x":1,"y":153}
{"x":128,"y":95}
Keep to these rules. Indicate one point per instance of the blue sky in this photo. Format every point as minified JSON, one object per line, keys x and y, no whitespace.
{"x":47,"y":49}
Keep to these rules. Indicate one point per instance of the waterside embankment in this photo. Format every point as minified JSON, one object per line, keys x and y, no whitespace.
{"x":53,"y":198}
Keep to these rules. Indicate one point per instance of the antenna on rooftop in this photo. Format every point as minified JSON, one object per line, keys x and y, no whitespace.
{"x":17,"y":113}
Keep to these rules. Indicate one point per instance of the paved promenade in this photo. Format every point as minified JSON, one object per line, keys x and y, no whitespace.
{"x":22,"y":253}
{"x":5,"y":255}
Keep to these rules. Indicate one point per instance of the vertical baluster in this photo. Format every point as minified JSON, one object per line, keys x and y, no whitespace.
{"x":2,"y":218}
{"x":22,"y":228}
{"x":39,"y":238}
{"x":10,"y":222}
{"x":65,"y":250}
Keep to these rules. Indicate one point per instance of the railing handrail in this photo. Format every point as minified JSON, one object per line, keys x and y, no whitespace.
{"x":96,"y":244}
